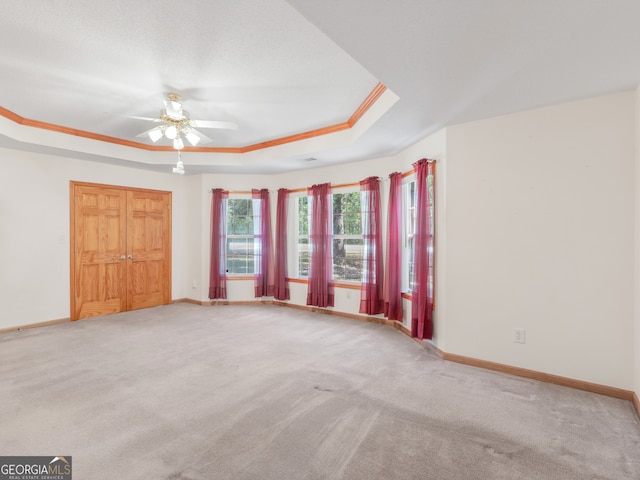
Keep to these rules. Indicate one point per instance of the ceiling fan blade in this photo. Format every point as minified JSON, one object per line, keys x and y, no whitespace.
{"x":146,"y":133}
{"x":201,"y":137}
{"x":214,"y":124}
{"x":148,"y":119}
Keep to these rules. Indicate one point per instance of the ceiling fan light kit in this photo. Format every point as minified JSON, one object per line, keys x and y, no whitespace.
{"x":155,"y":134}
{"x":191,"y":137}
{"x":171,"y":132}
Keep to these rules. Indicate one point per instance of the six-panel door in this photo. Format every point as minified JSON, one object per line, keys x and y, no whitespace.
{"x":121,"y":249}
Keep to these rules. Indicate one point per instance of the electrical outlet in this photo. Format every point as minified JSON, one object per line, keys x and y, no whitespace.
{"x":519,"y":335}
{"x":194,"y":284}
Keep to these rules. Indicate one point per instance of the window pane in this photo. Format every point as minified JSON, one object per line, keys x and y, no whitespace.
{"x":348,"y":259}
{"x":303,"y":216}
{"x":410,"y":262}
{"x":346,"y":202}
{"x":352,"y":223}
{"x":241,"y":225}
{"x":304,"y":256}
{"x":347,"y":251}
{"x":408,"y":207}
{"x":408,"y":204}
{"x":303,"y":250}
{"x":240,"y":207}
{"x":346,"y":214}
{"x":431,"y":201}
{"x":240,"y":255}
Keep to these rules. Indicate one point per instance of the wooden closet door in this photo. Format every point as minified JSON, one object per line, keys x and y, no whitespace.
{"x":148,"y":248}
{"x":121,"y":249}
{"x":99,"y":252}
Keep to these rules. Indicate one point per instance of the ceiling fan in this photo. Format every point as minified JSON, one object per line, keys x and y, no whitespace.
{"x":176,"y":125}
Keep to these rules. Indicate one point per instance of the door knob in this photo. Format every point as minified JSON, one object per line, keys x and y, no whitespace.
{"x":122,"y":257}
{"x":130,"y":257}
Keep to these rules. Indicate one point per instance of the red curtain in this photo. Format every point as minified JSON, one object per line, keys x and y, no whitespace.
{"x":218,"y":261}
{"x":281,"y":291}
{"x":263,"y":276}
{"x":422,"y":293}
{"x":392,"y":280}
{"x":320,"y":287}
{"x":371,"y":298}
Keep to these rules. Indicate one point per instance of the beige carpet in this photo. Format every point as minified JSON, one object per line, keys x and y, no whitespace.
{"x":265,"y":392}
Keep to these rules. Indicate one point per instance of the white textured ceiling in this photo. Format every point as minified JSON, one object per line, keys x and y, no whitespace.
{"x":279,"y":68}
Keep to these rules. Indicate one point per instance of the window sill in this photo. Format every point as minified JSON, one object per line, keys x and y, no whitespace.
{"x":239,"y":277}
{"x":297,"y":280}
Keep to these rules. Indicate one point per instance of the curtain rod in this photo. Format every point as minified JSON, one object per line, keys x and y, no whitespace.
{"x":304,"y":189}
{"x":238,"y":192}
{"x":249,"y":192}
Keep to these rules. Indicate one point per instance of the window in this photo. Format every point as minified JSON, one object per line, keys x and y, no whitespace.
{"x":303,"y":214}
{"x":243,"y":223}
{"x":408,"y":228}
{"x":347,"y":237}
{"x":347,"y":243}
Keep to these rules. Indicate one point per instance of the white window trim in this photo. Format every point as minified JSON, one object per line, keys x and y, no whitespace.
{"x":256,"y":227}
{"x":346,"y":236}
{"x":406,"y":249}
{"x":292,"y":220}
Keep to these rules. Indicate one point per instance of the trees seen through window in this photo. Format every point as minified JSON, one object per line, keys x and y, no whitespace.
{"x":347,"y":244}
{"x":242,"y":225}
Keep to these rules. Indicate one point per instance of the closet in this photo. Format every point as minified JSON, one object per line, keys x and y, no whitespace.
{"x":120,"y":249}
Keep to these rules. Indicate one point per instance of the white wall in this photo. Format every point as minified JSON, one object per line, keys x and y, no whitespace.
{"x":540,"y":236}
{"x":195,"y":268}
{"x":34,"y":236}
{"x":637,"y":247}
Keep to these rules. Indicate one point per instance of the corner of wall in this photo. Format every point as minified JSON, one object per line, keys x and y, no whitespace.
{"x":637,"y":252}
{"x":440,"y":325}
